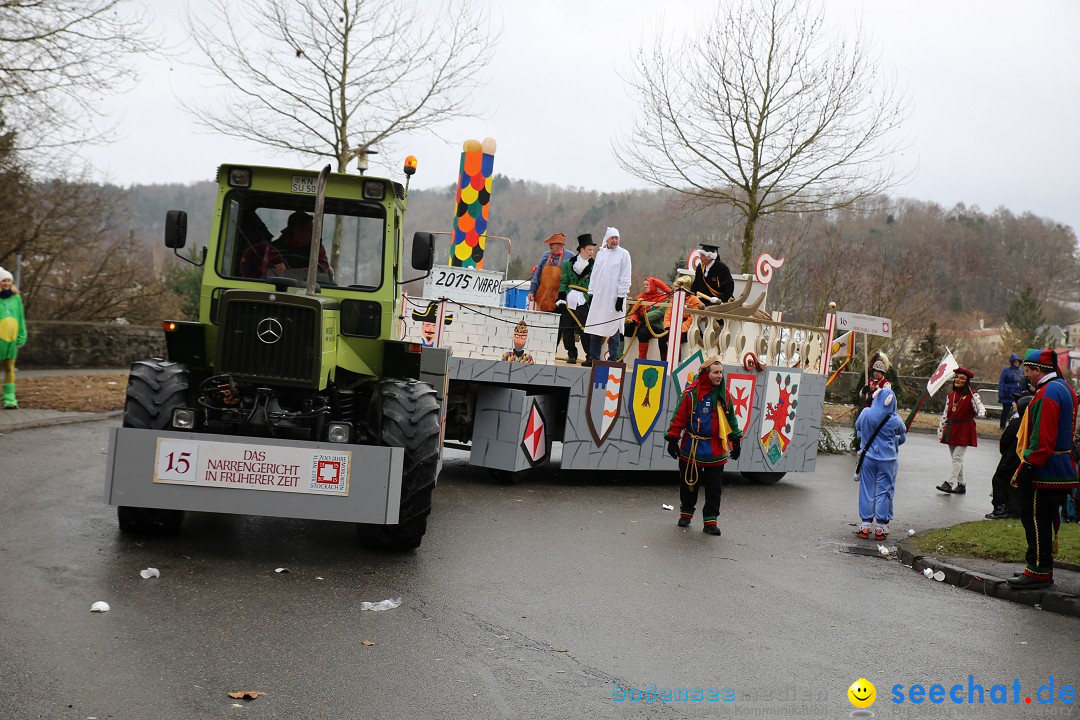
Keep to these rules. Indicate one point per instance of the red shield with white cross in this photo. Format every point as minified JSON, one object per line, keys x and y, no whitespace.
{"x":534,"y":442}
{"x":328,"y":472}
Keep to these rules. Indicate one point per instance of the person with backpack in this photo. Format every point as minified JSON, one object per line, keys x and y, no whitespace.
{"x":881,"y":432}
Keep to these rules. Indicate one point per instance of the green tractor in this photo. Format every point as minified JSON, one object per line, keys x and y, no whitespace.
{"x":289,"y":397}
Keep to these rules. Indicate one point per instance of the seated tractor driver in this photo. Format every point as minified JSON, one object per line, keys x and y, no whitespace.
{"x":259,"y":260}
{"x":293,"y":250}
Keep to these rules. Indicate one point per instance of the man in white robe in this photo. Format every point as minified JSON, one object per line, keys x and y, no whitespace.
{"x":609,"y":286}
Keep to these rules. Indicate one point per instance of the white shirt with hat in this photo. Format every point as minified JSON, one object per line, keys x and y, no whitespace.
{"x":610,"y":281}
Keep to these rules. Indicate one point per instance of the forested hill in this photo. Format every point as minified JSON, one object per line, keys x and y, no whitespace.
{"x":910,"y":260}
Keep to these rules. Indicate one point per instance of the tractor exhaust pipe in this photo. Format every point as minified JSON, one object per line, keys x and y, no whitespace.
{"x":316,"y":230}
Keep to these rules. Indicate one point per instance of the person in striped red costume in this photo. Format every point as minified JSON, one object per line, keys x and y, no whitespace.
{"x":702,"y":436}
{"x":1047,"y":469}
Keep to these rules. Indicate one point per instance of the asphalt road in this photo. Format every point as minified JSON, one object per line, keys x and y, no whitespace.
{"x":538,"y":600}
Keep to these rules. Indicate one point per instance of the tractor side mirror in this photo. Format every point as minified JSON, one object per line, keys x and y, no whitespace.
{"x":423,"y":251}
{"x":175,"y":229}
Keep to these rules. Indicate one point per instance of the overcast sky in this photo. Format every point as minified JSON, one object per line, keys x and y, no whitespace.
{"x":995,"y":90}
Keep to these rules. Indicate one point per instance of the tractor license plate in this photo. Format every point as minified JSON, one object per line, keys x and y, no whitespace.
{"x":304,"y":184}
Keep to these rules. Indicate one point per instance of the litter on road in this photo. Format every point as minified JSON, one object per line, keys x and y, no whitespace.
{"x":387,"y":604}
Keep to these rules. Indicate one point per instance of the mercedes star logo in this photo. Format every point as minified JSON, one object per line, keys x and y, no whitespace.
{"x":269,"y":330}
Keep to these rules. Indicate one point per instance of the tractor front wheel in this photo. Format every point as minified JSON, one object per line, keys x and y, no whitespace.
{"x":155,"y":388}
{"x":409,"y":418}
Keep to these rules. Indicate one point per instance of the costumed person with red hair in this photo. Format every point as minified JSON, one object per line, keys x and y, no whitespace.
{"x":12,"y":334}
{"x":647,"y":322}
{"x":702,"y":436}
{"x":1047,"y":470}
{"x":957,"y":427}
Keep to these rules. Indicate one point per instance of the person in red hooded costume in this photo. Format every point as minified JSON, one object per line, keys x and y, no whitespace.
{"x":957,"y":427}
{"x":646,"y":321}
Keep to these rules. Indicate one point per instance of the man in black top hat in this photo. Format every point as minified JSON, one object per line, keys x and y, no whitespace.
{"x":712,"y":278}
{"x":573,"y":302}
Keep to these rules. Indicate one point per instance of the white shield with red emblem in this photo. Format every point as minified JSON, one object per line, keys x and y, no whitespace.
{"x":740,"y":390}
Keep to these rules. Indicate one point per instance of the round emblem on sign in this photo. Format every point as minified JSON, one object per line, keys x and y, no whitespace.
{"x":269,"y":330}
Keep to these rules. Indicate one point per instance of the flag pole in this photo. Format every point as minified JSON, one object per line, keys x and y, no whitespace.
{"x":865,"y":365}
{"x":907,"y":423}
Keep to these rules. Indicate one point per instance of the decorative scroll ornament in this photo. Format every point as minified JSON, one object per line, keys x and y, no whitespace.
{"x":763,"y":269}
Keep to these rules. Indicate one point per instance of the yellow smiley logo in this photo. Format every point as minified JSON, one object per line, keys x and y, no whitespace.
{"x":862,"y":693}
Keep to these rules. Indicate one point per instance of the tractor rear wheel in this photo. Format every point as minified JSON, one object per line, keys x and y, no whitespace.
{"x":155,"y":388}
{"x":409,"y":418}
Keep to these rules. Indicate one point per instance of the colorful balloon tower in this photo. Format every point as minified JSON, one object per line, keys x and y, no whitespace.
{"x":473,"y":198}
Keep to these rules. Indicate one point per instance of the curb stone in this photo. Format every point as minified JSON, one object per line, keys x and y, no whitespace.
{"x":1047,"y":599}
{"x":63,"y":420}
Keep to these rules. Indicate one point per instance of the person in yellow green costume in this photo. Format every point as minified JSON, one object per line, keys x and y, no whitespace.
{"x":12,"y":334}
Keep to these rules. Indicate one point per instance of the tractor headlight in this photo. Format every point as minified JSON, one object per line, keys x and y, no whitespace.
{"x":338,"y":432}
{"x":239,"y":177}
{"x":183,"y":419}
{"x":374,"y":190}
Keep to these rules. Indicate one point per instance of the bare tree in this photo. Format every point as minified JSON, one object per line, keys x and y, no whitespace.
{"x":333,"y":78}
{"x":56,"y":59}
{"x":763,"y":111}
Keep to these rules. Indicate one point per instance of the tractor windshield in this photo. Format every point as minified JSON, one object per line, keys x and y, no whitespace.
{"x":267,"y":235}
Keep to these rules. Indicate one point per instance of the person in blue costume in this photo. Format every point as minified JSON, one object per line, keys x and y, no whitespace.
{"x":877,"y":478}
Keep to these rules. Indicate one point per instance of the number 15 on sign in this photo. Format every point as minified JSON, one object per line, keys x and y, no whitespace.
{"x":176,"y":461}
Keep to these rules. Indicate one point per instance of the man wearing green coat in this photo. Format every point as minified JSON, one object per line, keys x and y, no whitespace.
{"x":573,"y":302}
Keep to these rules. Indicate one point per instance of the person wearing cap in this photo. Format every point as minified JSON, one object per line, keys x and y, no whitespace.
{"x":1047,"y":469}
{"x":702,"y":435}
{"x":429,"y":319}
{"x":519,"y":354}
{"x":1011,"y":384}
{"x":573,"y":302}
{"x":881,"y":433}
{"x":293,"y":246}
{"x":957,"y":427}
{"x":712,"y":278}
{"x":879,"y":365}
{"x":12,"y":334}
{"x":544,"y":288}
{"x":609,"y":286}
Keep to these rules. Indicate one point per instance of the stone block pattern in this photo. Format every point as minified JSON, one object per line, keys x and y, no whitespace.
{"x":488,"y":332}
{"x":621,"y":450}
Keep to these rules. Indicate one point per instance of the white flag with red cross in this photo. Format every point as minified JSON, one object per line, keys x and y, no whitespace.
{"x":945,"y":370}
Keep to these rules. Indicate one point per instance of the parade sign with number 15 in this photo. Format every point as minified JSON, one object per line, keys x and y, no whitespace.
{"x":252,"y":467}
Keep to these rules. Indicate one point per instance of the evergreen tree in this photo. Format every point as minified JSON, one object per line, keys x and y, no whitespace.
{"x":928,"y":353}
{"x":1024,"y":320}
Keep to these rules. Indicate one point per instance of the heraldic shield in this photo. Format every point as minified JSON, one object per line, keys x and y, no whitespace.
{"x":602,"y":403}
{"x":778,"y":422}
{"x":645,"y":402}
{"x":740,"y":390}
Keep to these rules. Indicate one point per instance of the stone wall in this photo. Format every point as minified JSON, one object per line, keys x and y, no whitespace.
{"x":58,"y":344}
